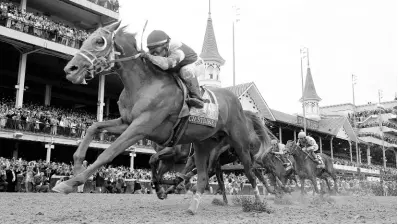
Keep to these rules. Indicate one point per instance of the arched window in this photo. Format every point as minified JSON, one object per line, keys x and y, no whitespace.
{"x":210,"y":71}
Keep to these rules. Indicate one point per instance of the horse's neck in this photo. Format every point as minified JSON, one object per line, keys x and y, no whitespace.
{"x":136,"y":75}
{"x":299,"y":157}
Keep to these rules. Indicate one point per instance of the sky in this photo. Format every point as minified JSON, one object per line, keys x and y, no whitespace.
{"x":357,"y":37}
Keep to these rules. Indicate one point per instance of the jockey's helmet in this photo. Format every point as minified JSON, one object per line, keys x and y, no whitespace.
{"x":157,"y":38}
{"x":274,"y":142}
{"x":301,"y":134}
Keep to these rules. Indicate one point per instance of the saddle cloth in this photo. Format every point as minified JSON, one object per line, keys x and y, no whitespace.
{"x":208,"y":115}
{"x":318,"y":156}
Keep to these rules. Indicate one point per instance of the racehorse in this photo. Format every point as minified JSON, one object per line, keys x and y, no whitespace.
{"x":276,"y":170}
{"x":306,"y":168}
{"x":149,"y":107}
{"x":218,"y":157}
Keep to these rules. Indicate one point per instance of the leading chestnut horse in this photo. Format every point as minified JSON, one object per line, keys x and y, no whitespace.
{"x":149,"y":107}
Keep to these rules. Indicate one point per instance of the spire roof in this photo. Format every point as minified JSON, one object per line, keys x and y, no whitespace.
{"x":309,"y":88}
{"x":209,"y":48}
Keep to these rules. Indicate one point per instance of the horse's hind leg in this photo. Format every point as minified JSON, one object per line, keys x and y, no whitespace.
{"x":201,"y":157}
{"x":260,"y":176}
{"x":302,"y":183}
{"x":220,"y":180}
{"x":334,"y":177}
{"x":315,"y":184}
{"x":324,"y":177}
{"x":242,"y":150}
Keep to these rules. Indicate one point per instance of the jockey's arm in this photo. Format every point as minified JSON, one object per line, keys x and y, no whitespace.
{"x":171,"y":61}
{"x":312,"y":145}
{"x":278,"y":152}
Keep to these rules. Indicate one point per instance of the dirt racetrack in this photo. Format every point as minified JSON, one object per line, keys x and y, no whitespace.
{"x":130,"y":208}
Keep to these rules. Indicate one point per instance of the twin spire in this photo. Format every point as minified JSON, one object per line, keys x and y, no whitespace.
{"x":209,"y":48}
{"x":309,"y":88}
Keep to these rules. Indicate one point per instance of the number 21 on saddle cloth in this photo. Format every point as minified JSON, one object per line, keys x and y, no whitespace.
{"x":316,"y":157}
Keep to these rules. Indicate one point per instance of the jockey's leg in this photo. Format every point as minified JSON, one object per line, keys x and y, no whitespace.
{"x":189,"y":75}
{"x":316,"y":157}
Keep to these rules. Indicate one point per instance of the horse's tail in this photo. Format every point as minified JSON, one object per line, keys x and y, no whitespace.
{"x":262,"y":133}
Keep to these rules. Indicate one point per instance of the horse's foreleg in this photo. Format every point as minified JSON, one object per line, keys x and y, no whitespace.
{"x":136,"y":131}
{"x":115,"y":126}
{"x":215,"y":154}
{"x":164,"y":166}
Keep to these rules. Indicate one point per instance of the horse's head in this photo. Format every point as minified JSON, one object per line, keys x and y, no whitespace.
{"x":99,"y":46}
{"x":291,"y":147}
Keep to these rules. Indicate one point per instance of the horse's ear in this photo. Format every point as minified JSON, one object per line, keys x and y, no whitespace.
{"x":114,"y":26}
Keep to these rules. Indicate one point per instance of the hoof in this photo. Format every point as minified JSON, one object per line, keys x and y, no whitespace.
{"x":63,"y":188}
{"x":161,"y":194}
{"x":193,"y":208}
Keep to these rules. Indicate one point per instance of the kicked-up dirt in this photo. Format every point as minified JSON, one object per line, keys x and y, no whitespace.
{"x":132,"y":208}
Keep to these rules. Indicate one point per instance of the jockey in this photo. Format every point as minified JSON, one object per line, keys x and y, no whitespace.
{"x":308,"y":144}
{"x":279,"y":149}
{"x":172,"y":55}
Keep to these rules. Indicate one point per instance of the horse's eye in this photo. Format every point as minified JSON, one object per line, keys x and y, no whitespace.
{"x":100,"y":42}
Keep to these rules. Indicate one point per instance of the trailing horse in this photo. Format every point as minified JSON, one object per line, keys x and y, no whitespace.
{"x":306,"y":168}
{"x":275,"y":169}
{"x":218,"y":157}
{"x":152,"y":105}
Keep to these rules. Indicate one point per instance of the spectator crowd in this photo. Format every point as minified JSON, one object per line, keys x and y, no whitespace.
{"x":39,"y":176}
{"x":386,"y":138}
{"x":109,"y":4}
{"x":72,"y":123}
{"x":36,"y":176}
{"x":13,"y":17}
{"x":362,"y":115}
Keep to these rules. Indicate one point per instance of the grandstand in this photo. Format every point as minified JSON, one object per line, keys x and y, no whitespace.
{"x":42,"y":115}
{"x":376,"y":126}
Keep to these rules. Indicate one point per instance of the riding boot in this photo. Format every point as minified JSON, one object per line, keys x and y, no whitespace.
{"x":195,"y":99}
{"x":316,"y":158}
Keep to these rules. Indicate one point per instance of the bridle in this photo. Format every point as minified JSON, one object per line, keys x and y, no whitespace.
{"x":105,"y":62}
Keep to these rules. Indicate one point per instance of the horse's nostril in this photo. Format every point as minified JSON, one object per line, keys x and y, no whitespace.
{"x":73,"y":68}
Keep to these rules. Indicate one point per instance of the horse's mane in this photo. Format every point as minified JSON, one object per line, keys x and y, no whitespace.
{"x":123,"y":33}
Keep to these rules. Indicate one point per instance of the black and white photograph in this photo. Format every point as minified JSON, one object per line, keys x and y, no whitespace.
{"x":198,"y":111}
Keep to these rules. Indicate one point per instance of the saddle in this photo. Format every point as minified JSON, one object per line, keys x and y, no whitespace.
{"x":317,"y":158}
{"x":207,"y":116}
